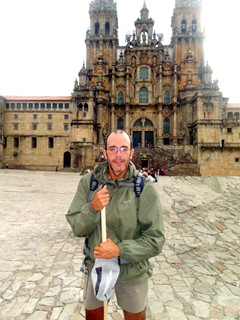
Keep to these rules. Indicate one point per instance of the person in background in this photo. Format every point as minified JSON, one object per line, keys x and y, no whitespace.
{"x":154,"y":175}
{"x":134,"y":228}
{"x":148,"y":176}
{"x":164,"y":171}
{"x":6,"y":168}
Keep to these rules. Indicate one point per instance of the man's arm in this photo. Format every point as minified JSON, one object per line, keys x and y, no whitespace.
{"x":81,"y":216}
{"x":151,"y":235}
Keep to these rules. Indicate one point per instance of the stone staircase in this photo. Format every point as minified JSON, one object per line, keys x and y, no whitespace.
{"x":185,"y":169}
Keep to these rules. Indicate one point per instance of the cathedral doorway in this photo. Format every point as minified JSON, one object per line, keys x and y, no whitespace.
{"x":149,"y":142}
{"x":143,"y":133}
{"x":144,"y":164}
{"x":166,"y":141}
{"x":67,"y":159}
{"x":137,"y":138}
{"x":143,"y":138}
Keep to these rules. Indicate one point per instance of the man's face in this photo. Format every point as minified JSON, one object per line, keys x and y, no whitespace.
{"x":118,"y":154}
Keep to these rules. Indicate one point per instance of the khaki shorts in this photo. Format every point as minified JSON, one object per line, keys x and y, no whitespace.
{"x":130,"y":297}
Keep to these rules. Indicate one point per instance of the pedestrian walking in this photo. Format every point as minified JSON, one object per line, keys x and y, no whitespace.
{"x":6,"y":168}
{"x":134,"y":229}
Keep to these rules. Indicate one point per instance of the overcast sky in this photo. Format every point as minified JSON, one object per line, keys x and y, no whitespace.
{"x":43,"y":48}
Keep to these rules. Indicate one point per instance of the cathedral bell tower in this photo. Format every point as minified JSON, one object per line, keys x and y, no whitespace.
{"x":102,"y":37}
{"x":187,"y":40}
{"x":90,"y":120}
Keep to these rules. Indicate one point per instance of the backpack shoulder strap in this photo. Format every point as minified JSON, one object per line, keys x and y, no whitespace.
{"x":139,"y":182}
{"x":93,"y":186}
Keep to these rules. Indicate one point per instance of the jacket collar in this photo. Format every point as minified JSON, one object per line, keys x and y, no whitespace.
{"x":101,"y":173}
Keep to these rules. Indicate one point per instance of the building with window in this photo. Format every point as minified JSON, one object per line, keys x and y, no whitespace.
{"x":162,"y":95}
{"x":36,"y":132}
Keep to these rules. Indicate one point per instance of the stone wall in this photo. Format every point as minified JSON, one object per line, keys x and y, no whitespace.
{"x":20,"y":151}
{"x":186,"y":169}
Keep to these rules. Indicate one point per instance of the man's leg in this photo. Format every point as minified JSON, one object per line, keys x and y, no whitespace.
{"x":132,"y":298}
{"x":135,"y":316}
{"x":95,"y":314}
{"x":93,"y":307}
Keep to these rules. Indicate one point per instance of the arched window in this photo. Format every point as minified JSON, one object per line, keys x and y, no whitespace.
{"x":166,"y":97}
{"x":194,"y":26}
{"x":107,"y":28}
{"x":236,"y":115}
{"x":143,"y":73}
{"x":166,"y":126}
{"x":148,"y":123}
{"x":120,"y":123}
{"x":230,"y":115}
{"x":143,"y":95}
{"x":184,"y":26}
{"x":97,"y":28}
{"x":120,"y":98}
{"x":138,"y":123}
{"x":85,"y":107}
{"x":80,"y":107}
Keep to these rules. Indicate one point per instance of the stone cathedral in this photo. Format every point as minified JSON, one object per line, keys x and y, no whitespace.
{"x":162,"y":95}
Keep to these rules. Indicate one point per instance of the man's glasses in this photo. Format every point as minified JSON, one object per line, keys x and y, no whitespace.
{"x":122,"y":149}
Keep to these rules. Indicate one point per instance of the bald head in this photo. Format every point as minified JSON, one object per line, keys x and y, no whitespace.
{"x":117,"y":133}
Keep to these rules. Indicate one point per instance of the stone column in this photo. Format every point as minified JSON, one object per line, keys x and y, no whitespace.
{"x":160,"y":126}
{"x":87,"y":54}
{"x":113,"y":96}
{"x":175,"y":93}
{"x":114,"y":44}
{"x":127,"y":119}
{"x":112,"y":119}
{"x":143,"y":138}
{"x":94,"y":51}
{"x":127,"y":86}
{"x":175,"y":125}
{"x":107,"y":46}
{"x":160,"y":87}
{"x":101,"y":138}
{"x":175,"y":87}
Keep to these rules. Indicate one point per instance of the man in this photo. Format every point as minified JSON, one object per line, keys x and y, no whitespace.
{"x":134,"y":227}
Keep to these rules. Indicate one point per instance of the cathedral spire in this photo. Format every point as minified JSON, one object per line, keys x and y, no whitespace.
{"x":102,"y":3}
{"x":102,"y":37}
{"x":144,"y":12}
{"x":187,"y":3}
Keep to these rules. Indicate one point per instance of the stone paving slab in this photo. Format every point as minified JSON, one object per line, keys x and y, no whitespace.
{"x":196,"y":277}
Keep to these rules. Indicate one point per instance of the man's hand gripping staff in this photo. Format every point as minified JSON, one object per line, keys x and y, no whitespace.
{"x":107,"y":249}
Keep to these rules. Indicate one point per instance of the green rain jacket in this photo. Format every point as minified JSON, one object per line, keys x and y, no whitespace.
{"x":134,"y":223}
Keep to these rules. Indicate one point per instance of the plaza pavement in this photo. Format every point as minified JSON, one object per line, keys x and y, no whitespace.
{"x":196,"y":277}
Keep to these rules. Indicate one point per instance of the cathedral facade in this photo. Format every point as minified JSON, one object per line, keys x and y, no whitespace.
{"x":162,"y":95}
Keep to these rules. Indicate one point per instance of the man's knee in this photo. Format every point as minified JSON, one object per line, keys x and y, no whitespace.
{"x":95,"y":314}
{"x":135,"y":316}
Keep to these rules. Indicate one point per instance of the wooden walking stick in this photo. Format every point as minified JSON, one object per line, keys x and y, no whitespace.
{"x":104,"y":238}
